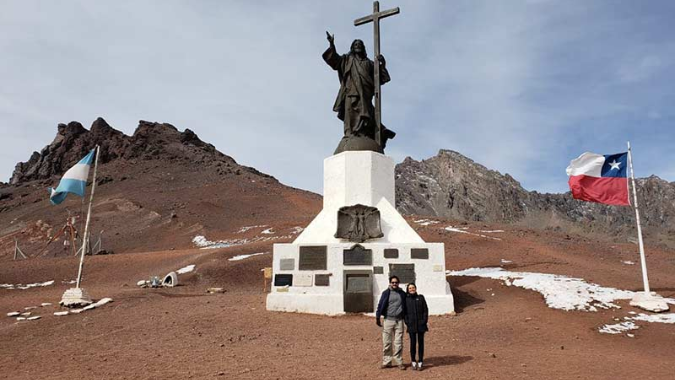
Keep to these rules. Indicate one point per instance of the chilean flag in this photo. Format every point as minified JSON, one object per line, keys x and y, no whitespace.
{"x":600,"y":178}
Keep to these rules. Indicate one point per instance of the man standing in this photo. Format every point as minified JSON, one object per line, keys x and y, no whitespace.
{"x":392,"y":308}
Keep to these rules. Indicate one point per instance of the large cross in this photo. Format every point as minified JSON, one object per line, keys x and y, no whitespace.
{"x":375,"y":19}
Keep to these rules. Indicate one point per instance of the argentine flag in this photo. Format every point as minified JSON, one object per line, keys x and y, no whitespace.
{"x":73,"y":181}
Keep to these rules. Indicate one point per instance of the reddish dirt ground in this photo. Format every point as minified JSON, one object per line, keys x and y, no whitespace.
{"x":183,"y":332}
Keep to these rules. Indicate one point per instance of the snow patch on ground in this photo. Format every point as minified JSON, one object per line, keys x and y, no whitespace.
{"x":491,"y":231}
{"x":242,"y":257}
{"x":506,"y":261}
{"x":269,"y":231}
{"x":248,"y":228}
{"x":27,"y":286}
{"x":203,"y":243}
{"x":186,"y":269}
{"x":296,"y":230}
{"x":628,"y":262}
{"x":655,"y":318}
{"x":425,"y":222}
{"x":618,"y":328}
{"x":560,"y":292}
{"x":464,"y":231}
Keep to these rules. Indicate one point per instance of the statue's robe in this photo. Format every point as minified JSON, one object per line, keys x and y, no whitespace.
{"x":354,"y":102}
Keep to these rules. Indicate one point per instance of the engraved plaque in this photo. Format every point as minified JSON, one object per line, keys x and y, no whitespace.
{"x":283,"y":280}
{"x":303,"y":279}
{"x":322,"y":280}
{"x":419,"y":253}
{"x":287,"y":264}
{"x":358,"y":255}
{"x":378,"y":270}
{"x":391,"y":253}
{"x":404,"y":272}
{"x":313,"y":258}
{"x":358,"y":283}
{"x":438,"y":268}
{"x":358,"y":291}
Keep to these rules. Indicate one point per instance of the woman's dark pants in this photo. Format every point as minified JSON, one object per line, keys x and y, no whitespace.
{"x":416,"y":339}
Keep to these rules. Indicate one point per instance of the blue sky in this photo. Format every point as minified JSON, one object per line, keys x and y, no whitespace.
{"x":521,"y":87}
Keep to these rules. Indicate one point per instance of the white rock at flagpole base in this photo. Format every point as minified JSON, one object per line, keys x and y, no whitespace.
{"x":650,"y":302}
{"x":75,"y":297}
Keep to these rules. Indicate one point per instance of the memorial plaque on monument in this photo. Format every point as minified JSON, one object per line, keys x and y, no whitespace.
{"x":391,"y":253}
{"x":303,"y":279}
{"x":322,"y":280}
{"x":313,"y":258}
{"x":358,"y":223}
{"x":287,"y":264}
{"x":378,"y":270}
{"x":283,"y":280}
{"x":419,"y":253}
{"x":404,"y":272}
{"x":358,"y":283}
{"x":358,"y":255}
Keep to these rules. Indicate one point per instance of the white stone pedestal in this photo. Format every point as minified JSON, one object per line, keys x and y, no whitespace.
{"x":75,"y":297}
{"x":350,"y":178}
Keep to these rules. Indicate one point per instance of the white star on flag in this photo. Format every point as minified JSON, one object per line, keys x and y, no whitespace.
{"x":614,"y":165}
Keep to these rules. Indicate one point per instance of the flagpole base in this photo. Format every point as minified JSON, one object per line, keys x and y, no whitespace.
{"x":75,"y":297}
{"x":650,"y":302}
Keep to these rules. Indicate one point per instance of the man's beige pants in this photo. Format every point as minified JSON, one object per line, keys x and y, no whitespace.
{"x":392,"y":334}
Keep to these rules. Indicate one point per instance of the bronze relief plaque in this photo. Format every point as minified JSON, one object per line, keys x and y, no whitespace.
{"x":358,"y":223}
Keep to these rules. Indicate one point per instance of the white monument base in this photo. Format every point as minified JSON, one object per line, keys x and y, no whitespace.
{"x":321,"y":274}
{"x":650,"y":302}
{"x":75,"y":297}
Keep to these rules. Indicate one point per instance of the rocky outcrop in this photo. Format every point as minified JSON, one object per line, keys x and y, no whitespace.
{"x":451,"y":185}
{"x":150,"y":141}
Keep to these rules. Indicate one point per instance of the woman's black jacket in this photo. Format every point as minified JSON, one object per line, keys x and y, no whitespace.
{"x":416,"y":313}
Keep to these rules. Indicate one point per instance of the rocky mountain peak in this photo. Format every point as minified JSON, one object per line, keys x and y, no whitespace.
{"x":454,"y":186}
{"x":151,"y":140}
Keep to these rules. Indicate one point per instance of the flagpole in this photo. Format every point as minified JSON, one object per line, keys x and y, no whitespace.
{"x":643,"y":260}
{"x":85,"y":239}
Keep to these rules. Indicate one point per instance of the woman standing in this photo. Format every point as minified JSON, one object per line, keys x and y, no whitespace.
{"x":416,"y":317}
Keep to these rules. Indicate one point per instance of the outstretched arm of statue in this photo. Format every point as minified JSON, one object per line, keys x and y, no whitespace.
{"x":331,"y":55}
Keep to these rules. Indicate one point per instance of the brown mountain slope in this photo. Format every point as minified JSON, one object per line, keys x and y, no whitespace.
{"x":453,"y":186}
{"x":156,"y":189}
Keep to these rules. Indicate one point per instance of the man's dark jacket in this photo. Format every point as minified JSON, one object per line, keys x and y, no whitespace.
{"x":383,"y":305}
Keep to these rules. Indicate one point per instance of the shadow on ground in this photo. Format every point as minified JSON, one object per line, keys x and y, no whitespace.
{"x":440,"y":361}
